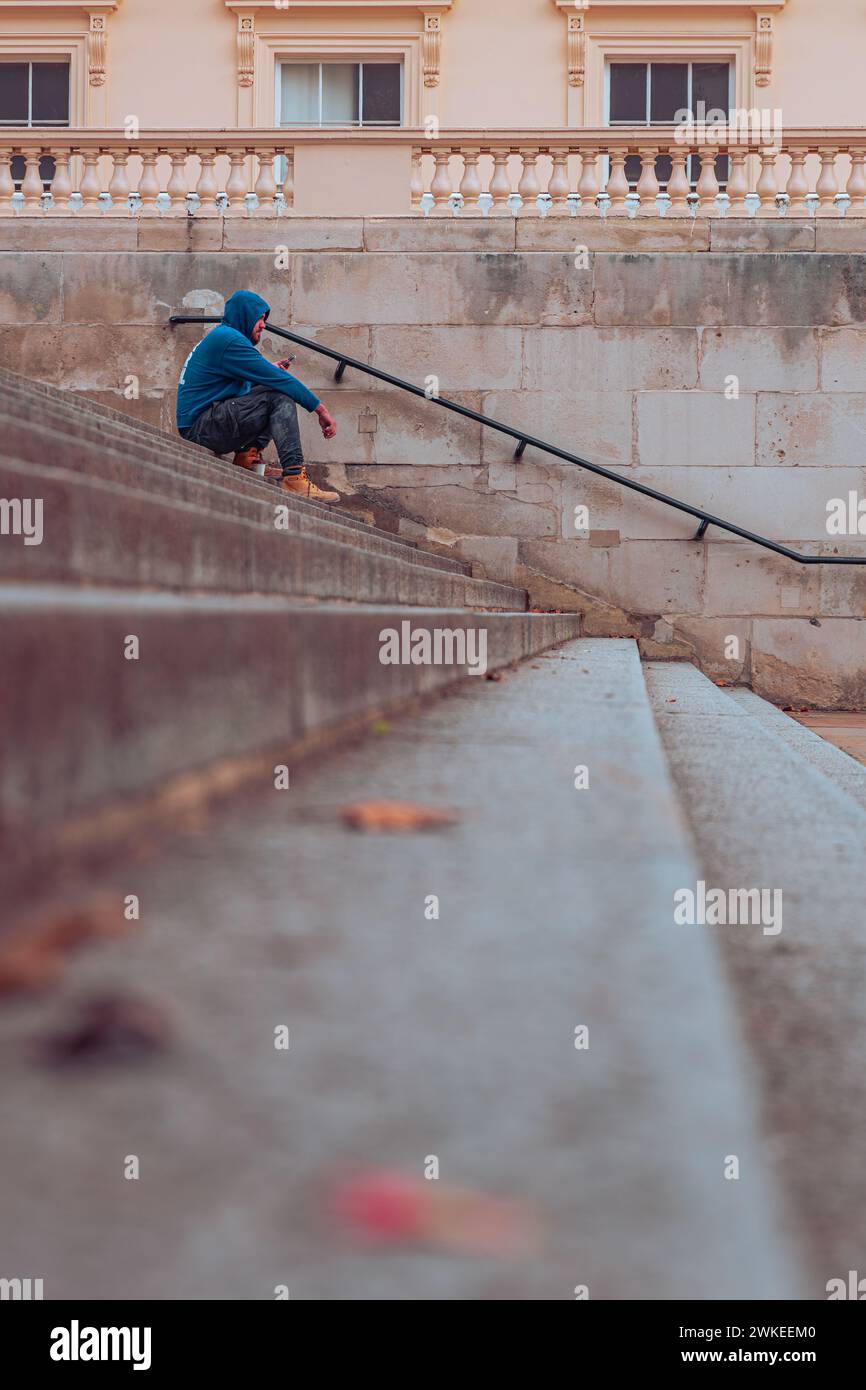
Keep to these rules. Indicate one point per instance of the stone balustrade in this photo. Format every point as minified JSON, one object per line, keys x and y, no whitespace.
{"x":675,"y":172}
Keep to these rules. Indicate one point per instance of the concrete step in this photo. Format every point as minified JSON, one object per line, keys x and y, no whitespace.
{"x":410,"y":1037}
{"x":36,"y":446}
{"x":40,"y":424}
{"x":98,"y":532}
{"x":843,"y":770}
{"x":766,"y":816}
{"x":218,"y":682}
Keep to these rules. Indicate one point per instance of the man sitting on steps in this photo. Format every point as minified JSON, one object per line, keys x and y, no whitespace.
{"x":231,"y":399}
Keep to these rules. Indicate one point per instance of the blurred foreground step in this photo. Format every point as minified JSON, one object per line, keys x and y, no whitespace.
{"x":113,"y":693}
{"x":452,"y":1037}
{"x":774,"y":808}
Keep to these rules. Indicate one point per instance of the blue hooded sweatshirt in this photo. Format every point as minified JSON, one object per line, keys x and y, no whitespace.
{"x":225,"y":363}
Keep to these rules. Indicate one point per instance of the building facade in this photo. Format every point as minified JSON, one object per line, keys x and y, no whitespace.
{"x":224,"y":64}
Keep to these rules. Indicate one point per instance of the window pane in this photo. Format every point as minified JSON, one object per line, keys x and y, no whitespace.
{"x":13,"y":93}
{"x":669,"y":90}
{"x":339,"y":93}
{"x":299,"y":94}
{"x":710,"y":85}
{"x":632,"y":168}
{"x":50,"y":92}
{"x":628,"y":92}
{"x":664,"y":169}
{"x":381,"y":94}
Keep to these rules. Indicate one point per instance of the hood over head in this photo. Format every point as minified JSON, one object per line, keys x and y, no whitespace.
{"x":243,"y":311}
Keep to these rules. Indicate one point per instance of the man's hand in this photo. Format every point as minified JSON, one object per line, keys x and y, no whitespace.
{"x":286,"y":362}
{"x":327,"y":422}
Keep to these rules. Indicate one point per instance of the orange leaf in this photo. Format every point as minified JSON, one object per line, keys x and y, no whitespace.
{"x":396,"y":816}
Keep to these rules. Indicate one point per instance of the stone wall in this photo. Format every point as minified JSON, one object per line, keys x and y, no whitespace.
{"x":613,"y":340}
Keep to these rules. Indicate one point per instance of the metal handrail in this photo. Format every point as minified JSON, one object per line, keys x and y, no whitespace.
{"x":524,"y":440}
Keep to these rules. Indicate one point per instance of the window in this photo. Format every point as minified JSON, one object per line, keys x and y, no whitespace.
{"x":34,"y":94}
{"x":337,"y":94}
{"x":658,"y":94}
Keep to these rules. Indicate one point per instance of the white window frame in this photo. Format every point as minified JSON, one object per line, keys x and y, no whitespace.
{"x":271,"y":49}
{"x":7,"y":59}
{"x":296,"y":59}
{"x":71,"y":49}
{"x":648,"y":62}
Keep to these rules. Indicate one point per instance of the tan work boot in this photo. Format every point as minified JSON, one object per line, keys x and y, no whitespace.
{"x":300,"y":485}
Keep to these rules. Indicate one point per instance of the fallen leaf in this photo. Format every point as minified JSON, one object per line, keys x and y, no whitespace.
{"x":495,"y":676}
{"x":28,"y":967}
{"x":389,"y":1208}
{"x":33,"y":957}
{"x":397,"y":816}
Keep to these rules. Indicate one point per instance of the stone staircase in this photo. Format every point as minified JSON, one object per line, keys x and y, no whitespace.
{"x":257,"y":617}
{"x":705,"y":1141}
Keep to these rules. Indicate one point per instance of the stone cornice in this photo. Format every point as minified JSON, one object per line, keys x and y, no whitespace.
{"x":350,"y":6}
{"x":569,"y":6}
{"x":101,"y":7}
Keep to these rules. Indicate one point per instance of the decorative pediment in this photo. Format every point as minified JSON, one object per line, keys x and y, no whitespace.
{"x":577,"y":12}
{"x":250,"y":14}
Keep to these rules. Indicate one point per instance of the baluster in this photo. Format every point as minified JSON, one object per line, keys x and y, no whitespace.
{"x":648,"y":184}
{"x":91,"y":184}
{"x":470,"y":184}
{"x":827,"y":186}
{"x":7,"y":183}
{"x":289,"y":185}
{"x":31,"y":186}
{"x":441,"y":188}
{"x":617,"y":185}
{"x":856,"y":186}
{"x":529,"y":187}
{"x":500,"y":185}
{"x":236,"y":184}
{"x":738,"y":183}
{"x":588,"y":184}
{"x":207,"y":187}
{"x":557,"y":188}
{"x":767,"y":186}
{"x":118,"y":186}
{"x":266,"y":185}
{"x":679,"y":187}
{"x":177,"y":188}
{"x":797,"y":186}
{"x":708,"y":185}
{"x":416,"y":182}
{"x":148,"y":184}
{"x":61,"y":184}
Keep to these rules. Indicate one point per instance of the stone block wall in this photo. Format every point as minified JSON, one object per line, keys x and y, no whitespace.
{"x":721,"y":362}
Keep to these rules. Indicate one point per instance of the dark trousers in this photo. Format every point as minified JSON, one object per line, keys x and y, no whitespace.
{"x":242,"y":422}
